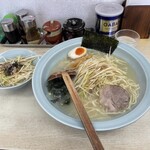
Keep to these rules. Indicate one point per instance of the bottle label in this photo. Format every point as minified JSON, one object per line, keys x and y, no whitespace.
{"x":108,"y":27}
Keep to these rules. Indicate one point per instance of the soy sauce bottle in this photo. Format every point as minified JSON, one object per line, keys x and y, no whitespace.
{"x":10,"y":30}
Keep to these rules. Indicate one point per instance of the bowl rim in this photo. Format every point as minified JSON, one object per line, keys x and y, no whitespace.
{"x":18,"y":51}
{"x":116,"y":123}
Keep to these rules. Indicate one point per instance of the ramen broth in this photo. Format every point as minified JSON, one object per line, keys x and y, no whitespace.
{"x":70,"y":109}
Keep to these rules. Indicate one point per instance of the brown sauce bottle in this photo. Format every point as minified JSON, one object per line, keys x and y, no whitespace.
{"x":30,"y":28}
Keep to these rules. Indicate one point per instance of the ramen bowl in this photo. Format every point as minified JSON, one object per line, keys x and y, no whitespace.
{"x":49,"y":60}
{"x":13,"y":54}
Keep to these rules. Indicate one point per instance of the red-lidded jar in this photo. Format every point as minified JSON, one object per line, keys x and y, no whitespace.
{"x":53,"y":32}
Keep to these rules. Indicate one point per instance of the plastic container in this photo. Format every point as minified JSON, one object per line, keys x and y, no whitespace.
{"x":108,"y":18}
{"x":127,"y":36}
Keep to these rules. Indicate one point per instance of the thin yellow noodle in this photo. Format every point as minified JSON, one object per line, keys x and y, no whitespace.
{"x":22,"y":75}
{"x":98,"y":71}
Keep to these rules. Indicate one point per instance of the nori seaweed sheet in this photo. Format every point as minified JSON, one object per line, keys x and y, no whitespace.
{"x":99,"y":42}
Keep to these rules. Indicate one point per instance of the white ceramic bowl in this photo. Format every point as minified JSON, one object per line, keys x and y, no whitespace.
{"x":136,"y":60}
{"x":13,"y":53}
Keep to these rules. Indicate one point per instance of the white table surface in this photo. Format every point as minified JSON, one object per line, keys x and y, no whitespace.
{"x":25,"y":126}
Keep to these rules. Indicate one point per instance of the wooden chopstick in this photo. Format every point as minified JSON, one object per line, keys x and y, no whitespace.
{"x":96,"y":144}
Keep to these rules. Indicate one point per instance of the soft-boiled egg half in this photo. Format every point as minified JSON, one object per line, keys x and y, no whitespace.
{"x":77,"y":52}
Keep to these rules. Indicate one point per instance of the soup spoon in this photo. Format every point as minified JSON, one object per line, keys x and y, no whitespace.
{"x":93,"y":137}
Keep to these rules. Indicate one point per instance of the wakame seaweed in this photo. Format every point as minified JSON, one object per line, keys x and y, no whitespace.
{"x":99,"y":42}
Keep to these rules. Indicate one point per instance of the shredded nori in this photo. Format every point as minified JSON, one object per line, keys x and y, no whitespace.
{"x":99,"y":42}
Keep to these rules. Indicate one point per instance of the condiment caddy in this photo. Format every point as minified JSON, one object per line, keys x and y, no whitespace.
{"x":21,"y":30}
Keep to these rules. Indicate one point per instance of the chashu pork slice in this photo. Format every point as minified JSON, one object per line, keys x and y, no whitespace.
{"x":114,"y":98}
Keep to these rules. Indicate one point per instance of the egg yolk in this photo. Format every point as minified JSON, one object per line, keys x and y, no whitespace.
{"x":79,"y":51}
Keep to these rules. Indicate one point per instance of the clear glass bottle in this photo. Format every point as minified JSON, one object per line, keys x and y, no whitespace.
{"x":30,"y":28}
